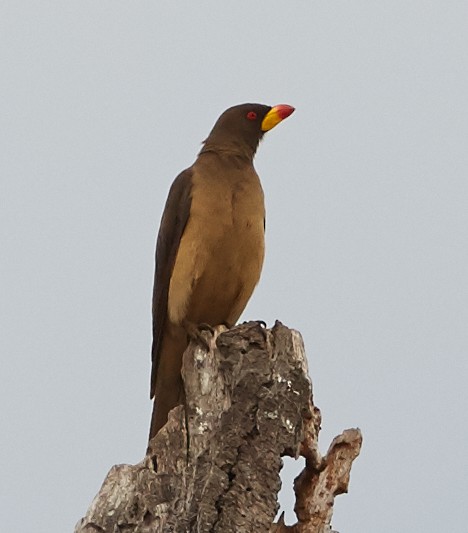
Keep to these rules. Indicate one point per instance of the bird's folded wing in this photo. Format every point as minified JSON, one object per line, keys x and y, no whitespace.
{"x":173,"y":222}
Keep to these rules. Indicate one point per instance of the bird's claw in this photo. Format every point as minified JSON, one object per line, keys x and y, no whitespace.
{"x":260,"y":326}
{"x":195,"y":333}
{"x":262,"y":329}
{"x":206,"y":327}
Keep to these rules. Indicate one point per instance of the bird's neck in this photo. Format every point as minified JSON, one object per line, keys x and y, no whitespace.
{"x":237,"y":151}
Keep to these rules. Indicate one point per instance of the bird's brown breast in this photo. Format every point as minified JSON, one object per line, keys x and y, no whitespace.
{"x":221,"y":251}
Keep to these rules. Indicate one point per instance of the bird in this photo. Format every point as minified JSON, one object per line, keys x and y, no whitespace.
{"x":210,"y":246}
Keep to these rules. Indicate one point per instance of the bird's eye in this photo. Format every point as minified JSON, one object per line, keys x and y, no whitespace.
{"x":251,"y":115}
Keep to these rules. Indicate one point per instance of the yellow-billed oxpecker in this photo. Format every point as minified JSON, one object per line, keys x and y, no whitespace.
{"x":210,"y":246}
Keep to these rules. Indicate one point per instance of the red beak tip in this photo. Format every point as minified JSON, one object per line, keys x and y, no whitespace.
{"x":284,"y":110}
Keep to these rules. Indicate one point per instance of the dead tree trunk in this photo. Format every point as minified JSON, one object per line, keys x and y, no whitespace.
{"x":215,"y":466}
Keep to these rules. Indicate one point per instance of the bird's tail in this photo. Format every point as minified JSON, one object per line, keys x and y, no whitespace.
{"x":169,"y":390}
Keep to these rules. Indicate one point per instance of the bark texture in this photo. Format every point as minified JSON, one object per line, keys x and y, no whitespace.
{"x":215,"y":466}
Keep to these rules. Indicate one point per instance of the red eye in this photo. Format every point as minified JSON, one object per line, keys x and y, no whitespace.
{"x":251,"y":115}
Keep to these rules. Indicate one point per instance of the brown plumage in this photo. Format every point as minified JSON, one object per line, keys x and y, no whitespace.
{"x":210,"y":245}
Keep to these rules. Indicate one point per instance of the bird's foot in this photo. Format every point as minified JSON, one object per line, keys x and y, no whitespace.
{"x":195,"y":332}
{"x":206,"y":327}
{"x":260,"y":326}
{"x":260,"y":323}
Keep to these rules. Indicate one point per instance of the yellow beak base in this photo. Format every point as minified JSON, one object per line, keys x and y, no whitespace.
{"x":276,"y":115}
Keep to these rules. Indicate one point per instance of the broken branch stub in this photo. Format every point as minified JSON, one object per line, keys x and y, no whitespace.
{"x":215,"y":465}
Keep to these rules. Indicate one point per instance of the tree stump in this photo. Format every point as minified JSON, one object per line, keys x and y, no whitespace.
{"x":215,"y":466}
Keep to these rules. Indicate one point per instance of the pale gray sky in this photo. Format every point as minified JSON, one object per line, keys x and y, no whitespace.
{"x":102,"y":103}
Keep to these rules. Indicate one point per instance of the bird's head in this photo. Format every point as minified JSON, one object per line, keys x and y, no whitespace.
{"x":240,"y":128}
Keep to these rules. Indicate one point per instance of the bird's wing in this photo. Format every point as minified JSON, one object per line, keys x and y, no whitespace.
{"x":173,"y":222}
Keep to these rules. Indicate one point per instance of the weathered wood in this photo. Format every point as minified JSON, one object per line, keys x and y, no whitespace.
{"x":215,"y":466}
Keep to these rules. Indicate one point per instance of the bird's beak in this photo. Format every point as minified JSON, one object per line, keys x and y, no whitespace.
{"x":276,"y":115}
